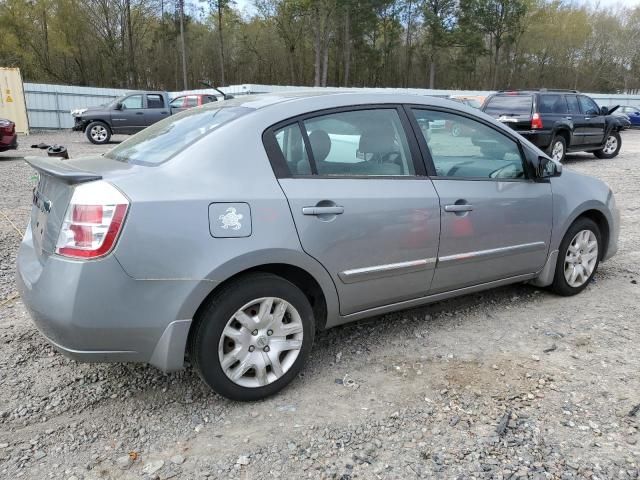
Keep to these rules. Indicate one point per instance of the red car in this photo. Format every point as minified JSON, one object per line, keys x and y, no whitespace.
{"x":8,"y":135}
{"x":194,"y":100}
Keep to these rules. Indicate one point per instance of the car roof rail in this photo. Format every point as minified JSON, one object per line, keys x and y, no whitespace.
{"x":564,"y":90}
{"x":533,"y":90}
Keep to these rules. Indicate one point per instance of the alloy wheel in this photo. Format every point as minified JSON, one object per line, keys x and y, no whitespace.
{"x":99,"y":133}
{"x":260,"y":342}
{"x":581,"y":258}
{"x":610,"y":145}
{"x":558,"y":151}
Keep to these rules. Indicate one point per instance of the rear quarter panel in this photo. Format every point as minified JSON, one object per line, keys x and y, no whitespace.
{"x":167,"y":234}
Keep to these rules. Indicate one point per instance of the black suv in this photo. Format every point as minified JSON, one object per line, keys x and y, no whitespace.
{"x":558,"y":121}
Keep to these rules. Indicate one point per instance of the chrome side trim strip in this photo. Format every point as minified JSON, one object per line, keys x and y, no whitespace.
{"x":390,"y":269}
{"x":491,"y":253}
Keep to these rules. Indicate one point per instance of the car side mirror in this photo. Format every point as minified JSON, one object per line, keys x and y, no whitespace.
{"x":119,"y":106}
{"x":604,"y":111}
{"x":547,"y":168}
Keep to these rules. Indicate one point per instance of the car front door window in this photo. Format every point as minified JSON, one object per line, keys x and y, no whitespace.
{"x":478,"y":151}
{"x":132,"y":102}
{"x":589,"y":107}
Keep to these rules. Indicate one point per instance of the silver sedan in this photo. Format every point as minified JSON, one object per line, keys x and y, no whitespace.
{"x":229,"y":233}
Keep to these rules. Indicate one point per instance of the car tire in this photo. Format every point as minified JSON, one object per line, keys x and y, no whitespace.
{"x":577,"y":263}
{"x":256,"y":358}
{"x":558,"y":148}
{"x":98,"y":133}
{"x":611,"y":146}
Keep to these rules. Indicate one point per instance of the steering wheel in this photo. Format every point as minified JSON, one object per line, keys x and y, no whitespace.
{"x":498,"y":173}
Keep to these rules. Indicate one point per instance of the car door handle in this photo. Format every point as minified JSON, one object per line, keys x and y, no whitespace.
{"x":163,"y":113}
{"x":466,"y":207}
{"x":139,"y":113}
{"x":587,"y":118}
{"x":334,"y":210}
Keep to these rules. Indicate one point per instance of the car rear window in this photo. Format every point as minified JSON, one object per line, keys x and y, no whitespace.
{"x":509,"y":105}
{"x":161,"y":141}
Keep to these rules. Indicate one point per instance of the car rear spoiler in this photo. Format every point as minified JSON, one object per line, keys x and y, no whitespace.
{"x":56,"y":167}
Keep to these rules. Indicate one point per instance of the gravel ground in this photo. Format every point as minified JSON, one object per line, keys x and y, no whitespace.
{"x":511,"y":383}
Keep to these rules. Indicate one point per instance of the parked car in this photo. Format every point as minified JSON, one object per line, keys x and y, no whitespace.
{"x":632,"y":114}
{"x":230,"y":233}
{"x":189,"y":101}
{"x":558,"y":121}
{"x":125,"y":115}
{"x":474,"y":101}
{"x":8,"y":135}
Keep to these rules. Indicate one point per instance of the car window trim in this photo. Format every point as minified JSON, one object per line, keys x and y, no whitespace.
{"x":428,"y":160}
{"x":281,"y":168}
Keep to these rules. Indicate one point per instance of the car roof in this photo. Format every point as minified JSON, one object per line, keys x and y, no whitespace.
{"x":260,"y":101}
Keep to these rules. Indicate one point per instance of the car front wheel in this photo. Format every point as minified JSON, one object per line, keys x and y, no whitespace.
{"x":252,"y":337}
{"x":98,"y":133}
{"x":578,"y":257}
{"x":611,"y":146}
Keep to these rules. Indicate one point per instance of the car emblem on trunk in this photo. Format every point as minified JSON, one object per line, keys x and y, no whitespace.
{"x":41,"y":202}
{"x":231,"y":219}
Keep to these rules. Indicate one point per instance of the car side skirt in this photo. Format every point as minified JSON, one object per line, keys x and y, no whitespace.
{"x":428,"y":299}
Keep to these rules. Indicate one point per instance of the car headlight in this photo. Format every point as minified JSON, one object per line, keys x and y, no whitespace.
{"x":77,"y":112}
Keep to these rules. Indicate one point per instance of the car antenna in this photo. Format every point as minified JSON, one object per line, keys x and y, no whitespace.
{"x":225,"y":96}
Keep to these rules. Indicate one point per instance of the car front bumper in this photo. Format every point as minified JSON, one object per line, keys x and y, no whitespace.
{"x":79,"y":124}
{"x":92,"y":311}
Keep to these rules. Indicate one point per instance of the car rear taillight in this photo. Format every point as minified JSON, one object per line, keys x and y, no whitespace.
{"x":93,"y":221}
{"x":536,"y":122}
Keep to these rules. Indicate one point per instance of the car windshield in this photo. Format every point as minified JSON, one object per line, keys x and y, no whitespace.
{"x":509,"y":105}
{"x":161,"y":141}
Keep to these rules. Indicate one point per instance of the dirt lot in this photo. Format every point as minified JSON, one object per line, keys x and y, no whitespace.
{"x":512,"y":383}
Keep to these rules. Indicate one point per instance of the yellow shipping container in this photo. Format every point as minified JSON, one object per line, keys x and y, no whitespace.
{"x":12,"y":104}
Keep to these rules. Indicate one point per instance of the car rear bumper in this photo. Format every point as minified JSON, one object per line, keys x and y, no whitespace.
{"x":540,"y":139}
{"x":92,"y":311}
{"x":9,"y":143}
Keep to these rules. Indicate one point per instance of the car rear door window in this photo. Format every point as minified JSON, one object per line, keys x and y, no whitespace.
{"x":572,"y":103}
{"x":359,"y":143}
{"x":478,"y":152}
{"x":509,"y":105}
{"x":293,"y":149}
{"x":155,"y":101}
{"x":192,"y":101}
{"x":554,"y":104}
{"x":349,"y":144}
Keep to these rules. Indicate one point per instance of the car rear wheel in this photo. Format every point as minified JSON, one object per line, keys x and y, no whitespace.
{"x":252,"y":337}
{"x":558,"y":148}
{"x":611,"y":146}
{"x":98,"y":133}
{"x":578,"y":257}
